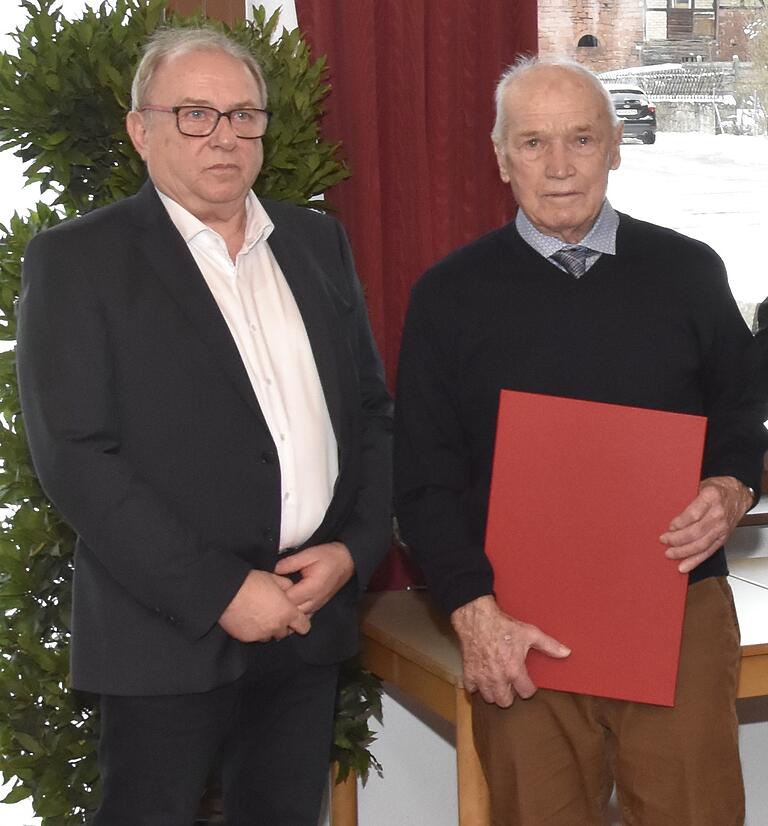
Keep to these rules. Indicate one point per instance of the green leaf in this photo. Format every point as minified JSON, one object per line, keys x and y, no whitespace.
{"x":16,"y":794}
{"x":27,"y":742}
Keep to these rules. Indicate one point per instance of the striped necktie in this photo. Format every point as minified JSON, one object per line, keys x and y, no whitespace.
{"x":572,"y":259}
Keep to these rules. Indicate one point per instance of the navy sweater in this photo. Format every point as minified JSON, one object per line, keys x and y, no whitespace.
{"x":654,"y":326}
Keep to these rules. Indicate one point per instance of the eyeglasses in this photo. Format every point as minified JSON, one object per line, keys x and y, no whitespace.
{"x":201,"y":121}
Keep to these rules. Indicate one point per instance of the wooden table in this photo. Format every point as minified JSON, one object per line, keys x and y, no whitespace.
{"x":751,"y":599}
{"x":407,"y":643}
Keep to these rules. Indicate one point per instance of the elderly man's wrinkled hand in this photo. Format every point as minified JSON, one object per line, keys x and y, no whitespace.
{"x":494,"y":647}
{"x":704,"y":526}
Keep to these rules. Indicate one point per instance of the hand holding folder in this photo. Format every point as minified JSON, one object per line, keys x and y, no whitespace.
{"x":494,"y":648}
{"x":705,"y":525}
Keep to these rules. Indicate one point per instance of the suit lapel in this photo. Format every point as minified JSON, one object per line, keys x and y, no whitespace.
{"x":165,"y":251}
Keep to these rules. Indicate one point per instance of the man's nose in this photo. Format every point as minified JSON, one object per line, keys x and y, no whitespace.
{"x":223,"y":134}
{"x":559,"y":164}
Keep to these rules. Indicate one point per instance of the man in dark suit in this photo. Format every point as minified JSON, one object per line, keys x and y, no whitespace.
{"x":205,"y":406}
{"x":574,"y":299}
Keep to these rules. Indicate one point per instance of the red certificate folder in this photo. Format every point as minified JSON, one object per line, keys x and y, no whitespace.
{"x":581,"y":492}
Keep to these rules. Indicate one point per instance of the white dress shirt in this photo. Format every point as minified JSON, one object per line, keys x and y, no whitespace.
{"x":267,"y":328}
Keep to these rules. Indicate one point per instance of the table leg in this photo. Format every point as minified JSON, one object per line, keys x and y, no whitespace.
{"x":343,"y":802}
{"x":474,"y":805}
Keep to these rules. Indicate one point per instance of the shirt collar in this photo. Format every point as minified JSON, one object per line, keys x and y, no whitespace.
{"x":258,"y":225}
{"x":600,"y":239}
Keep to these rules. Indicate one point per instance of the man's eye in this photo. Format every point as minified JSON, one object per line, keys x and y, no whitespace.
{"x":243,"y":115}
{"x":584,"y":140}
{"x":196,"y":114}
{"x":533,"y":143}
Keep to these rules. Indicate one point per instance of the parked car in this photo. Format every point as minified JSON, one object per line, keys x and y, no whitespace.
{"x":635,"y":109}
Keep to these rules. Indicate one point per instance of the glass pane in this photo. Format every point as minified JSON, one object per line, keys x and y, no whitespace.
{"x":656,"y":25}
{"x":694,"y":155}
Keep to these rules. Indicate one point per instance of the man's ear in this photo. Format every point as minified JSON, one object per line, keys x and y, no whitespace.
{"x":501,"y":160}
{"x":616,"y":148}
{"x":136,"y":126}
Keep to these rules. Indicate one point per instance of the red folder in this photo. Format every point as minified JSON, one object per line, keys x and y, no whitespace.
{"x":581,"y":492}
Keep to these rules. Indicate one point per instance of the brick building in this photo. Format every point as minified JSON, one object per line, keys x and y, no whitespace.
{"x":610,"y":34}
{"x":600,"y":34}
{"x":733,"y":21}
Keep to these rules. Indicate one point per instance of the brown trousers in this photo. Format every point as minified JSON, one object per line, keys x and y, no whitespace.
{"x":552,"y":760}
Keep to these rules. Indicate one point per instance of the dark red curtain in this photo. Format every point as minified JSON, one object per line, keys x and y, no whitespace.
{"x":412,"y":103}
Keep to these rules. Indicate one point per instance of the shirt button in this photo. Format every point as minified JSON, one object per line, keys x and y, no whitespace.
{"x":267,"y":458}
{"x":269,"y":535}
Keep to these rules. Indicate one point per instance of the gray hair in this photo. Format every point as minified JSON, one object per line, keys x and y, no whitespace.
{"x":521,"y":67}
{"x":166,"y":43}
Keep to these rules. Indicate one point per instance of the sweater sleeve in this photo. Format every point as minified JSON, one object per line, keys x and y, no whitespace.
{"x":433,"y":469}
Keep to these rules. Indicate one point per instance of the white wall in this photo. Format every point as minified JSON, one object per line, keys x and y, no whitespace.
{"x":753,"y":742}
{"x":287,"y":9}
{"x":417,"y":751}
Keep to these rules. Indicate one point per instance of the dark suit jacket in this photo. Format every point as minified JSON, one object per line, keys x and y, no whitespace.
{"x":148,"y":438}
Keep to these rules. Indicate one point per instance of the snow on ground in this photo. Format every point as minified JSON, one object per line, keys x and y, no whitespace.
{"x":711,"y":187}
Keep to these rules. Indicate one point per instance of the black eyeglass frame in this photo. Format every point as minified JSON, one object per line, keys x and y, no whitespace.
{"x":174,"y":110}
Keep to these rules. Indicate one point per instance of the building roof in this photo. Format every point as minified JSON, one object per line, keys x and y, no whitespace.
{"x":680,"y":82}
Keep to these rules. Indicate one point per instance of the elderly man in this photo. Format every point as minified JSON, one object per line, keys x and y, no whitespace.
{"x":205,"y":406}
{"x":574,"y":299}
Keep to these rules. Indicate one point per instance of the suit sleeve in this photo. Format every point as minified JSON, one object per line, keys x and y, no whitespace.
{"x":367,"y":531}
{"x":68,"y":391}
